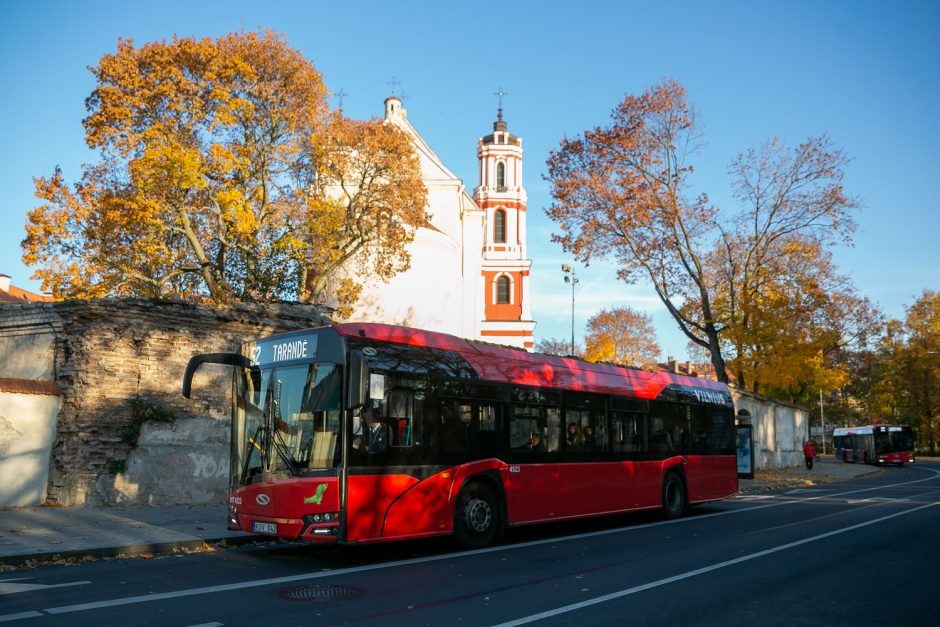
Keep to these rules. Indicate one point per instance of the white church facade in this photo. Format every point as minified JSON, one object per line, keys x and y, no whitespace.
{"x":469,"y":273}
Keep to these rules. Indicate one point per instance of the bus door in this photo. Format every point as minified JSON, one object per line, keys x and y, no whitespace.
{"x":628,"y":442}
{"x":584,"y":444}
{"x":531,"y":491}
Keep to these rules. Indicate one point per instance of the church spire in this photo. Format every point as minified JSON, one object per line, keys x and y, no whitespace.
{"x":507,"y":310}
{"x":499,"y":124}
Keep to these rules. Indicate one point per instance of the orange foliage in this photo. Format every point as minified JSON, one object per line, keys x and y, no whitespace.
{"x":368,"y":200}
{"x":619,"y":192}
{"x":736,"y":284}
{"x":622,"y":336}
{"x":217,"y":161}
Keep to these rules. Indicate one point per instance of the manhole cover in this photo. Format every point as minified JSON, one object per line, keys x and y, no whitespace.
{"x":319,"y":593}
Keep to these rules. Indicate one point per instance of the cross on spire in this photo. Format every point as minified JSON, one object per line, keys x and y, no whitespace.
{"x":395,"y":84}
{"x":499,"y":93}
{"x":340,"y":93}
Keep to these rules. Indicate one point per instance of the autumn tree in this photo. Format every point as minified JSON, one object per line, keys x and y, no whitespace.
{"x":875,"y":391}
{"x":793,"y":330}
{"x":621,"y":335}
{"x":781,"y":298}
{"x":908,"y":369}
{"x":621,"y":192}
{"x":366,"y":203}
{"x":211,"y":179}
{"x":923,"y":325}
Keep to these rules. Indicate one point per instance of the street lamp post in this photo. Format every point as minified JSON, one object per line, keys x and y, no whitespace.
{"x":573,"y":280}
{"x":822,"y":421}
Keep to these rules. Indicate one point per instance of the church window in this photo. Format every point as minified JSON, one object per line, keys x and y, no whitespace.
{"x":502,"y":290}
{"x":500,"y":177}
{"x":499,"y":227}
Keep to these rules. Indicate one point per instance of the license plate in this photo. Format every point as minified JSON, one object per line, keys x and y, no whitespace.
{"x":263,"y":527}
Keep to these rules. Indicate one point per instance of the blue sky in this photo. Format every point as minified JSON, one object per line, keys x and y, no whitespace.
{"x":866,"y":73}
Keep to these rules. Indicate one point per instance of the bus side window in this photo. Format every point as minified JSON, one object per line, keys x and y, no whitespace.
{"x":553,"y":415}
{"x":403,"y":414}
{"x":627,"y":432}
{"x":523,"y":422}
{"x":595,"y":437}
{"x":487,"y":418}
{"x":660,"y":438}
{"x":455,"y":428}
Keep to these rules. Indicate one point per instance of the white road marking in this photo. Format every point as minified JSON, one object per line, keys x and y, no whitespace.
{"x":11,"y":617}
{"x":701,"y":571}
{"x":8,"y":587}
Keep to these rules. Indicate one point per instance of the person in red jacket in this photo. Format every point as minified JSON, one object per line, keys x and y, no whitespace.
{"x":809,"y":453}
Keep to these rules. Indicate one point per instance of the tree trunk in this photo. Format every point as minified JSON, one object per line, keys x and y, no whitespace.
{"x":718,"y":362}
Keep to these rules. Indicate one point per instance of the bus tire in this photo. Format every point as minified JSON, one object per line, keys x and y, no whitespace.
{"x":477,"y":519}
{"x":674,"y":497}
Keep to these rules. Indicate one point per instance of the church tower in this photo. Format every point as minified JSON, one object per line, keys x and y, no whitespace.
{"x":507,"y":309}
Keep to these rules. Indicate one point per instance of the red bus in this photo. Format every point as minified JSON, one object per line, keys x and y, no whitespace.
{"x":357,"y":433}
{"x":874,"y":444}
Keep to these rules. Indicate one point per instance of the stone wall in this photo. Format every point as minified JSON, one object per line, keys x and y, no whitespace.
{"x":103,"y":355}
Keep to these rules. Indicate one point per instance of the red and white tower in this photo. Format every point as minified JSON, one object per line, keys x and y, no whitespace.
{"x":507,"y":310}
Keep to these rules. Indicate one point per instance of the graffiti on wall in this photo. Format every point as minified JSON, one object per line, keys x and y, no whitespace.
{"x":208,"y":467}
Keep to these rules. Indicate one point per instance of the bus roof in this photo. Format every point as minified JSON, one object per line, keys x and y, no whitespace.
{"x":512,"y":365}
{"x":866,"y":429}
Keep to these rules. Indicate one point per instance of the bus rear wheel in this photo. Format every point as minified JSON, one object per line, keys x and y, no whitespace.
{"x":674,"y":498}
{"x":477,"y":517}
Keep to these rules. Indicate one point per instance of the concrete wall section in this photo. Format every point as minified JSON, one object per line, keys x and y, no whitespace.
{"x":27,"y":430}
{"x":779,"y":429}
{"x":183,"y":462}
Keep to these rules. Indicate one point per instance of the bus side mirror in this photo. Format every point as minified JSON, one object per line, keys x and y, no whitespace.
{"x":357,"y":392}
{"x":227,"y":359}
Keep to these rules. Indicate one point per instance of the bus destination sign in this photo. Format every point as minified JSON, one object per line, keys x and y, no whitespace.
{"x":279,"y":350}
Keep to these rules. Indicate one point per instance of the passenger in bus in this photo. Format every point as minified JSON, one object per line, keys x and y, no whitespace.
{"x":454,"y":433}
{"x":535,"y":442}
{"x":573,"y":438}
{"x":588,"y":435}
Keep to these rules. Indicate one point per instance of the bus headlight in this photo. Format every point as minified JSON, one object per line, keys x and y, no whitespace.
{"x":317,"y":519}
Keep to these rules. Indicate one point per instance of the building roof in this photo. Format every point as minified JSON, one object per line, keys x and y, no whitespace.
{"x":691,"y":369}
{"x":9,"y":293}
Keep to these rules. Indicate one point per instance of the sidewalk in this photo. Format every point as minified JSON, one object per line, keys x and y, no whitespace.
{"x":42,"y":534}
{"x":825,"y":470}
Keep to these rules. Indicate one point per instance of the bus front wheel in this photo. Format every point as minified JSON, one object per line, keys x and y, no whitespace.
{"x":476,"y":517}
{"x":674,"y":499}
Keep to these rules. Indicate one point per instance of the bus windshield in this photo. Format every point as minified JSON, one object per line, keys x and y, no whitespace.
{"x":292,"y":419}
{"x":894,"y":440}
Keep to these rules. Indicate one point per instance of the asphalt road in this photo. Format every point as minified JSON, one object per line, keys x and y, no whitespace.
{"x":859,"y":553}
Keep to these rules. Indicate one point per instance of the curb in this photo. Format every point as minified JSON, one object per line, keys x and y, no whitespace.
{"x":134,"y":550}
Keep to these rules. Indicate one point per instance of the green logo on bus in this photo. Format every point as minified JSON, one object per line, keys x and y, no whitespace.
{"x":317,"y":498}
